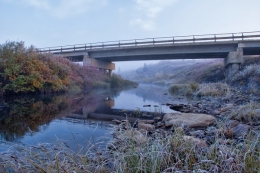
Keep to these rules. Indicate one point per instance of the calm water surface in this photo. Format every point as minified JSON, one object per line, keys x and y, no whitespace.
{"x":76,"y":119}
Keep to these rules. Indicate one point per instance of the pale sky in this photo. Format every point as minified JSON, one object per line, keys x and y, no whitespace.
{"x":45,"y":23}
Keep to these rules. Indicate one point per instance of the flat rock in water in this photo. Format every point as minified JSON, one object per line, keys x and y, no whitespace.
{"x":189,"y":119}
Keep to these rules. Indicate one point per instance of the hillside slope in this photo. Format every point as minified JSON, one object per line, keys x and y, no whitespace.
{"x":178,"y":71}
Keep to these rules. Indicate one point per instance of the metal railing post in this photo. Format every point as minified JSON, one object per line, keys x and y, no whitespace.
{"x":215,"y":37}
{"x":61,"y":48}
{"x":119,"y":44}
{"x":242,"y":36}
{"x":85,"y":47}
{"x":193,"y":39}
{"x":103,"y":45}
{"x":90,"y":46}
{"x":153,"y":41}
{"x":74,"y":47}
{"x":135,"y":43}
{"x":233,"y":36}
{"x":173,"y":40}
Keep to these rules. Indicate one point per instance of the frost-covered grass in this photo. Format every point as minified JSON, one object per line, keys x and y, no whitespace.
{"x":213,"y":89}
{"x":248,"y":78}
{"x":132,"y":151}
{"x":249,"y":113}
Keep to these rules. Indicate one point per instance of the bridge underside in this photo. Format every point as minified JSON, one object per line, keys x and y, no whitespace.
{"x":232,"y":52}
{"x":165,"y":57}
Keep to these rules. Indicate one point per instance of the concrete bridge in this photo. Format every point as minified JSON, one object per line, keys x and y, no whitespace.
{"x":232,"y":47}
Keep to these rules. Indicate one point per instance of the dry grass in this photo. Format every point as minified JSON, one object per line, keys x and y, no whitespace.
{"x":214,"y":89}
{"x":136,"y":152}
{"x":249,"y":79}
{"x":249,"y":113}
{"x":184,"y":89}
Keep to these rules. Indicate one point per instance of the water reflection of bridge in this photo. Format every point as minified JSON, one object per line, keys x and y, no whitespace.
{"x":103,"y":111}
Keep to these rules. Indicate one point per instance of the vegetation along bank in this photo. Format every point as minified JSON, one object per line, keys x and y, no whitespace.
{"x":24,"y":70}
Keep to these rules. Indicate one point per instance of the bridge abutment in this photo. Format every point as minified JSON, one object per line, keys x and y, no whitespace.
{"x":105,"y":65}
{"x":233,"y":62}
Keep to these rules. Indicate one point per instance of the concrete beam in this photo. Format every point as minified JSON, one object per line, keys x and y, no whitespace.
{"x":98,"y":63}
{"x":158,"y":52}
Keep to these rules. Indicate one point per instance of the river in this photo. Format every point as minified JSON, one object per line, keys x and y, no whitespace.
{"x":77,"y":120}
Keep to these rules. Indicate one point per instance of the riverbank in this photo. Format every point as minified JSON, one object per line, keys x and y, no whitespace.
{"x":226,"y":141}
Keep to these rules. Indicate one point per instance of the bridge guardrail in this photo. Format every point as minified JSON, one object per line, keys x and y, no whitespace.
{"x":154,"y":41}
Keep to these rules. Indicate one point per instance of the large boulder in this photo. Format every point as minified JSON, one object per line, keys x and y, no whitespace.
{"x":190,"y":119}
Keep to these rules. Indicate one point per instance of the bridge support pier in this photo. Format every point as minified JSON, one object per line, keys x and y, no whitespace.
{"x":233,"y":62}
{"x":99,"y":64}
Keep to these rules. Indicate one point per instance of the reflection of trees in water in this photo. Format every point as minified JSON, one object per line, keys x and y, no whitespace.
{"x":24,"y":114}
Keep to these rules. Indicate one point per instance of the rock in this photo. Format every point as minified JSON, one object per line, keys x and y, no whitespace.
{"x":156,"y":119}
{"x":146,"y":121}
{"x":227,"y":107}
{"x":215,"y":112}
{"x":144,"y":126}
{"x":195,"y":141}
{"x":177,"y":107}
{"x":117,"y":121}
{"x":159,"y":124}
{"x":231,"y":123}
{"x":189,"y":119}
{"x":198,"y":133}
{"x":211,"y":130}
{"x":134,"y":135}
{"x":257,"y":111}
{"x":241,"y":130}
{"x":146,"y":105}
{"x":168,"y":104}
{"x":146,"y":115}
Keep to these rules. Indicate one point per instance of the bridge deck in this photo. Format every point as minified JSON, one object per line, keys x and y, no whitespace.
{"x":181,"y":47}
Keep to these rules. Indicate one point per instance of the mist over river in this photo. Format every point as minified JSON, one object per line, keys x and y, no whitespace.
{"x":77,"y":119}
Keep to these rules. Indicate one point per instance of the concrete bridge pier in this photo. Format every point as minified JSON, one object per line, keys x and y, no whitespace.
{"x":102,"y":65}
{"x":233,"y":62}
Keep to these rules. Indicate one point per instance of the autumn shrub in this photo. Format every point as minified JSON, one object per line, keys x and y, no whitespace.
{"x":24,"y":70}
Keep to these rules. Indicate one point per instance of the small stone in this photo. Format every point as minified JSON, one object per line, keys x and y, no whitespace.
{"x":198,"y":133}
{"x":135,"y":135}
{"x":146,"y":105}
{"x":156,"y":119}
{"x":231,"y":123}
{"x":215,"y":112}
{"x":211,"y":130}
{"x":241,"y":130}
{"x":146,"y":121}
{"x":227,"y":107}
{"x":144,"y":126}
{"x":195,"y":141}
